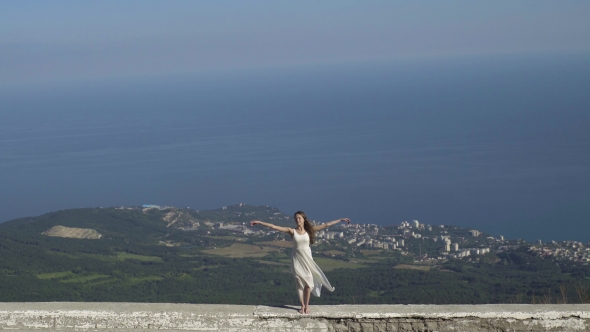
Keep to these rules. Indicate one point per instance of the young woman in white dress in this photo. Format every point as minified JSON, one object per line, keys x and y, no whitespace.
{"x":309,"y":278}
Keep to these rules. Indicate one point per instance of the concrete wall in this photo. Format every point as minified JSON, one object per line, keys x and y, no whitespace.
{"x":60,"y":316}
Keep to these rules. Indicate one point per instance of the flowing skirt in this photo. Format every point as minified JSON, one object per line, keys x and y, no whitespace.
{"x":307,"y":272}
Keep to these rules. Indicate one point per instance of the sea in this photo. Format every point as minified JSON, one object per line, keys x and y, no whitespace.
{"x":497,"y":143}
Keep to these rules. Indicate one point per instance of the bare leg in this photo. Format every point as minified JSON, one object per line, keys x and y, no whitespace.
{"x":307,"y":295}
{"x":301,"y":299}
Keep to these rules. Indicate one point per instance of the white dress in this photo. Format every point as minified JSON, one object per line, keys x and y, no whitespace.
{"x":305,"y":270}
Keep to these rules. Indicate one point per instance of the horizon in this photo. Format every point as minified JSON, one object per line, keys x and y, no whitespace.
{"x":68,"y":40}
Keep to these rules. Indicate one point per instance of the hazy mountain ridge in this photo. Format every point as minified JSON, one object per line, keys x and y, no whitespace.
{"x":145,"y":225}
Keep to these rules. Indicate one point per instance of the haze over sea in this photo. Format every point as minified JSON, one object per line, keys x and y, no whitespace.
{"x":496,"y":143}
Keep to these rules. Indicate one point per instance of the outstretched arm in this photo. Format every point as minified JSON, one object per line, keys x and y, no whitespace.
{"x":275,"y":227}
{"x":328,"y":224}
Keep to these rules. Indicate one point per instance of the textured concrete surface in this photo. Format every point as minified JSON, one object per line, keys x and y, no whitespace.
{"x":61,"y":316}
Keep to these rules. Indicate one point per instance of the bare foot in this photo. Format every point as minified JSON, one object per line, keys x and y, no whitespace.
{"x":302,"y":310}
{"x":307,"y":310}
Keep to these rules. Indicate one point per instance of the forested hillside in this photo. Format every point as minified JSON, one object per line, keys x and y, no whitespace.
{"x":142,"y":258}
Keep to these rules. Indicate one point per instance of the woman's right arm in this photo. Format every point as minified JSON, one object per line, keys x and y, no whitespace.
{"x":275,"y":227}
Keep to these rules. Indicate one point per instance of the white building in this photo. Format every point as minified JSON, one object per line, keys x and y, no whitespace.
{"x":464,"y":253}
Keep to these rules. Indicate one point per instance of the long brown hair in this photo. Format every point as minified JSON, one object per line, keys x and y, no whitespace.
{"x":306,"y":225}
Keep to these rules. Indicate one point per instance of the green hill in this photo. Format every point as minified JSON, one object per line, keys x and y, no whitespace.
{"x":183,"y":255}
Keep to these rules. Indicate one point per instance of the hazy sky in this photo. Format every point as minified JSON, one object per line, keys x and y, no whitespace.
{"x":49,"y":41}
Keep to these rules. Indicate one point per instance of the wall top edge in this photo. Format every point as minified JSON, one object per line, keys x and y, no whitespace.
{"x":108,"y":309}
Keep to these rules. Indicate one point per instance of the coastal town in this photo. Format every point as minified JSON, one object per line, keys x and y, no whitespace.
{"x":440,"y":242}
{"x":566,"y":250}
{"x":424,"y":243}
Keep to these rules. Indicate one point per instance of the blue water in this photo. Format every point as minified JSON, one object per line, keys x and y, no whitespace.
{"x":500,"y":144}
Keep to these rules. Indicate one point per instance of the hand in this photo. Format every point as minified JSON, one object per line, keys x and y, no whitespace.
{"x":346,"y":220}
{"x":254,"y":222}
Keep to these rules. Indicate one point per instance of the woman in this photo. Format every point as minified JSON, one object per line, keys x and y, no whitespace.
{"x":308,"y":275}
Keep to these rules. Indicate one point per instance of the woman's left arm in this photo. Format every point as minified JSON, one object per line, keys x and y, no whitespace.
{"x":330,"y":223}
